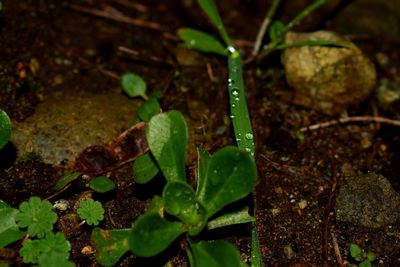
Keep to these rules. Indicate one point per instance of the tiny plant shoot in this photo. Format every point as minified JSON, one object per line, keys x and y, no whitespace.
{"x":363,"y":259}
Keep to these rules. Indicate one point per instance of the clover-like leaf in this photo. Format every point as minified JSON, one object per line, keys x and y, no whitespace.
{"x":133,"y":85}
{"x":5,"y":128}
{"x":9,"y":230}
{"x":215,"y":254}
{"x":144,"y":169}
{"x":152,"y":234}
{"x":91,"y":211}
{"x":36,"y":214}
{"x":231,"y":175}
{"x":202,"y":41}
{"x":110,"y":245}
{"x":102,"y":184}
{"x":167,"y":136}
{"x":180,"y":200}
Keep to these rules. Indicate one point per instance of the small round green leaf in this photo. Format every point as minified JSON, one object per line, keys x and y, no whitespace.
{"x":355,"y":251}
{"x":133,"y":85}
{"x":102,"y":184}
{"x":152,"y":234}
{"x":5,"y":128}
{"x":144,"y":169}
{"x":215,"y":254}
{"x":91,"y":211}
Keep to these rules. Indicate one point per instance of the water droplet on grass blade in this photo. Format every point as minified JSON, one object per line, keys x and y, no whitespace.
{"x":235,"y":92}
{"x":249,"y":136}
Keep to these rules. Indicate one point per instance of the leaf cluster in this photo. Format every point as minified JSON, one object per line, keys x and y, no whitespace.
{"x":363,"y":259}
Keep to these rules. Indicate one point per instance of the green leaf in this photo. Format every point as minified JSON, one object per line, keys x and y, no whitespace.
{"x":152,"y":234}
{"x":91,"y":211}
{"x":365,"y":263}
{"x":110,"y":245}
{"x":317,"y":43}
{"x":5,"y":128}
{"x":133,"y":85}
{"x":66,"y":179}
{"x":36,"y":214}
{"x":215,"y":254}
{"x":52,"y":259}
{"x":202,"y":160}
{"x":167,"y":136}
{"x":180,"y":201}
{"x":144,"y":169}
{"x":9,"y":230}
{"x":236,"y":217}
{"x":212,"y":12}
{"x":202,"y":41}
{"x":149,"y":109}
{"x":102,"y":184}
{"x":275,"y":31}
{"x":231,"y":175}
{"x":30,"y":251}
{"x":371,"y":256}
{"x":355,"y":251}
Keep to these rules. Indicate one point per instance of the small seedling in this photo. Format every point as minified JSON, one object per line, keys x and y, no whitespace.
{"x":5,"y":127}
{"x":91,"y":211}
{"x":363,"y":259}
{"x":42,"y":250}
{"x":102,"y":184}
{"x":36,"y":214}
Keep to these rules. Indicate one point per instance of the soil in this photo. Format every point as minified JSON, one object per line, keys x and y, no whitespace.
{"x":57,"y":47}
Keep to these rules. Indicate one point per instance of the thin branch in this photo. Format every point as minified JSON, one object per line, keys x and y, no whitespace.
{"x":117,"y":16}
{"x":349,"y":120}
{"x":135,"y":6}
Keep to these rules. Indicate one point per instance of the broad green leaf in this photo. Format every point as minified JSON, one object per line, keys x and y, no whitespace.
{"x":355,"y":251}
{"x":236,"y":217}
{"x":212,"y":12}
{"x":52,"y":259}
{"x":152,"y":234}
{"x":202,"y":41}
{"x":215,"y":254}
{"x":202,"y":160}
{"x":9,"y":230}
{"x":167,"y":136}
{"x":144,"y":169}
{"x":180,"y":201}
{"x":148,"y":109}
{"x":133,"y":85}
{"x":5,"y":128}
{"x":102,"y":184}
{"x":371,"y":256}
{"x":66,"y":179}
{"x":110,"y":245}
{"x":231,"y":175}
{"x":317,"y":43}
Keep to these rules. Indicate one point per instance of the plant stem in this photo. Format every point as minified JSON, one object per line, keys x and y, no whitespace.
{"x":264,"y":26}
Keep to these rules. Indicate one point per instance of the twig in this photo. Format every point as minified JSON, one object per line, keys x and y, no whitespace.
{"x":327,"y":211}
{"x":136,"y":55}
{"x":264,"y":27}
{"x":337,"y":250}
{"x":117,"y":16}
{"x":348,"y":120}
{"x":211,"y":73}
{"x":135,"y":6}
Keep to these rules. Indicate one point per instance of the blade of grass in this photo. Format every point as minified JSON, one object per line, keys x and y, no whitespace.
{"x":211,"y":10}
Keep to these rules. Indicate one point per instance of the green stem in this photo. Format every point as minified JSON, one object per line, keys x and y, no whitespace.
{"x":264,"y":26}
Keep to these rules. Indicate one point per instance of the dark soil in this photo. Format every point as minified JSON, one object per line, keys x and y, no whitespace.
{"x":291,"y":170}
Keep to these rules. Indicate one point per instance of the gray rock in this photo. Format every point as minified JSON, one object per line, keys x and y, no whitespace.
{"x":368,"y":200}
{"x":66,"y":123}
{"x":327,"y":79}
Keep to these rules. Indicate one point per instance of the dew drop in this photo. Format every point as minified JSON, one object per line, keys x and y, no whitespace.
{"x":233,"y":105}
{"x":192,"y":42}
{"x":236,"y":98}
{"x":249,"y":136}
{"x":247,"y":149}
{"x":235,"y":92}
{"x":231,"y":82}
{"x":232,"y":116}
